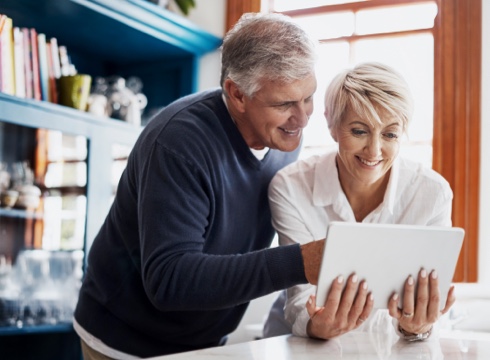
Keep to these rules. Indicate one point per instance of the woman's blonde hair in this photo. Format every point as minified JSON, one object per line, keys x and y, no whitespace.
{"x":365,"y":88}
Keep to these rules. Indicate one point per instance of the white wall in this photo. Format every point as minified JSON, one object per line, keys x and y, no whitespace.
{"x":210,"y":15}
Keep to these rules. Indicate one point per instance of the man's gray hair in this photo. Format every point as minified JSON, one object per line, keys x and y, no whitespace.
{"x":266,"y":47}
{"x":364,"y":87}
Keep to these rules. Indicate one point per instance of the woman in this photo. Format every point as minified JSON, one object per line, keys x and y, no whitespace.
{"x":368,"y":109}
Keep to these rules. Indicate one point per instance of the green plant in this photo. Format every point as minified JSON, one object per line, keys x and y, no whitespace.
{"x":185,"y":5}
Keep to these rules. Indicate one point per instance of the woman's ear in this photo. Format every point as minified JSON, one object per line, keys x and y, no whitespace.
{"x":235,"y":95}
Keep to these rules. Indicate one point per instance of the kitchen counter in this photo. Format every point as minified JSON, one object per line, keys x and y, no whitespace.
{"x":354,"y":345}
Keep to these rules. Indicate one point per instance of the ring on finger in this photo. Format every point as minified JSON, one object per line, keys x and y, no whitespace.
{"x":407,"y":315}
{"x":361,"y":320}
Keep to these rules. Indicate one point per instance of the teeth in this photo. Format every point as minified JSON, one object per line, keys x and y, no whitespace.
{"x":370,"y":163}
{"x":289,"y":131}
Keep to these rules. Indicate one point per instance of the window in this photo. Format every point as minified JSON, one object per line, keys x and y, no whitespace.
{"x":405,"y":42}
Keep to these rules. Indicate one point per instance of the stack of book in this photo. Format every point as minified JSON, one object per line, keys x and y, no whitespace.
{"x":30,"y":62}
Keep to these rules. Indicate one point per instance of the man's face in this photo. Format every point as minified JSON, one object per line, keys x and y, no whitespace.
{"x":276,"y":115}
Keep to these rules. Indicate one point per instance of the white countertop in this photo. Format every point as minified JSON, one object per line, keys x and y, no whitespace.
{"x":354,"y":345}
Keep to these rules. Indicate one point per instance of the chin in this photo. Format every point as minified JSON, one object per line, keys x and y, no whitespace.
{"x":287,"y":148}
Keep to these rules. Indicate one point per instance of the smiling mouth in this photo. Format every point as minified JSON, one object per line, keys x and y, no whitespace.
{"x":296,"y":131}
{"x":369,"y":163}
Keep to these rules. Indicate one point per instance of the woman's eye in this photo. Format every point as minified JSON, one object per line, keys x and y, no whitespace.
{"x":391,"y":135}
{"x":358,"y":132}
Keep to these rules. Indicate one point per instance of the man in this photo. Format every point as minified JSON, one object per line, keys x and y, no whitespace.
{"x":184,"y":247}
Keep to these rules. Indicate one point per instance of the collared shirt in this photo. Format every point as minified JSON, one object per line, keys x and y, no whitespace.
{"x":306,"y":196}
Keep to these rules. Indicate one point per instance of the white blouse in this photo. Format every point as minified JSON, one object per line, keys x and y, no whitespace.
{"x":306,"y":195}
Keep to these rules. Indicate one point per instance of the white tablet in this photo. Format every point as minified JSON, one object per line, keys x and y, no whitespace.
{"x":386,"y":254}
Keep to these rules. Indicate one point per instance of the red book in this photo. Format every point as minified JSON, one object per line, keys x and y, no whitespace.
{"x":52,"y":88}
{"x":27,"y":63}
{"x":36,"y":82}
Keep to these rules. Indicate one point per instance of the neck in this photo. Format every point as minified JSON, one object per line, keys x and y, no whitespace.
{"x":242,"y":127}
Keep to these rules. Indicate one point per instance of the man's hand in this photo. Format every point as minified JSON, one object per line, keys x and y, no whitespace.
{"x":344,"y":310}
{"x":312,"y":259}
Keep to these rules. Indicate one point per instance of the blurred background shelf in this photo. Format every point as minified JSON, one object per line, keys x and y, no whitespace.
{"x":86,"y":153}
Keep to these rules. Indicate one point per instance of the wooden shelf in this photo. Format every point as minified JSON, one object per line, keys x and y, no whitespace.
{"x":20,"y":213}
{"x":36,"y":329}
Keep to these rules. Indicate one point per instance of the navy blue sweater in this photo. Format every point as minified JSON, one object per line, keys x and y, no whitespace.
{"x":184,"y":246}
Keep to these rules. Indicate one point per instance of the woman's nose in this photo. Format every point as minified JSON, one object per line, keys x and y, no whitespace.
{"x":374,"y":146}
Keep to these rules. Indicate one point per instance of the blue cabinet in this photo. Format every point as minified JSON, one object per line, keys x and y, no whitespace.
{"x":103,"y":38}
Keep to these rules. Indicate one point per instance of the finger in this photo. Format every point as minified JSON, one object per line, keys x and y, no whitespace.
{"x":333,"y":298}
{"x":393,"y":308}
{"x":311,"y":306}
{"x":348,"y":296}
{"x":451,"y":299}
{"x":434,"y":300}
{"x":359,"y":302}
{"x":408,"y":307}
{"x":368,"y":307}
{"x":423,"y":294}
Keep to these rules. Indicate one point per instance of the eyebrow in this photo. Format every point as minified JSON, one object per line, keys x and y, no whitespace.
{"x":367,"y":124}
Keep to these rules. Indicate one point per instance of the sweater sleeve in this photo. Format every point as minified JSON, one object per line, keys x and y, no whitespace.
{"x":183,"y":266}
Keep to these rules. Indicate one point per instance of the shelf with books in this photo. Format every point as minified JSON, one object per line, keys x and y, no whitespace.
{"x":125,"y":38}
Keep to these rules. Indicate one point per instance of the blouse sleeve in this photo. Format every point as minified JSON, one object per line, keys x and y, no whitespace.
{"x":289,"y":223}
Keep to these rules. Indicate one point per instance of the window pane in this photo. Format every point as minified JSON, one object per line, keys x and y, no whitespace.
{"x":328,"y":26}
{"x":66,"y":174}
{"x":64,"y":222}
{"x":413,"y":57}
{"x":333,"y":57}
{"x":66,"y":147}
{"x":285,"y":5}
{"x":396,"y":18}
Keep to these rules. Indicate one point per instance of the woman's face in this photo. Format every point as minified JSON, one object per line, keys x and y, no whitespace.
{"x":367,"y":148}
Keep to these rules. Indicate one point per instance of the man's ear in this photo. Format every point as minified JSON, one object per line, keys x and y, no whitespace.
{"x":235,"y":95}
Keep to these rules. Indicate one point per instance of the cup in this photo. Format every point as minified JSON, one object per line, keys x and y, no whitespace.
{"x":75,"y":90}
{"x":8,"y":198}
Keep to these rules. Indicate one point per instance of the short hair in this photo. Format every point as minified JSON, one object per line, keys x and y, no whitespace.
{"x":364,"y":87}
{"x":266,"y":47}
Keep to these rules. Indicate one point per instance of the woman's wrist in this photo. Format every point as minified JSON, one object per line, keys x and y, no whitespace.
{"x":408,"y":336}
